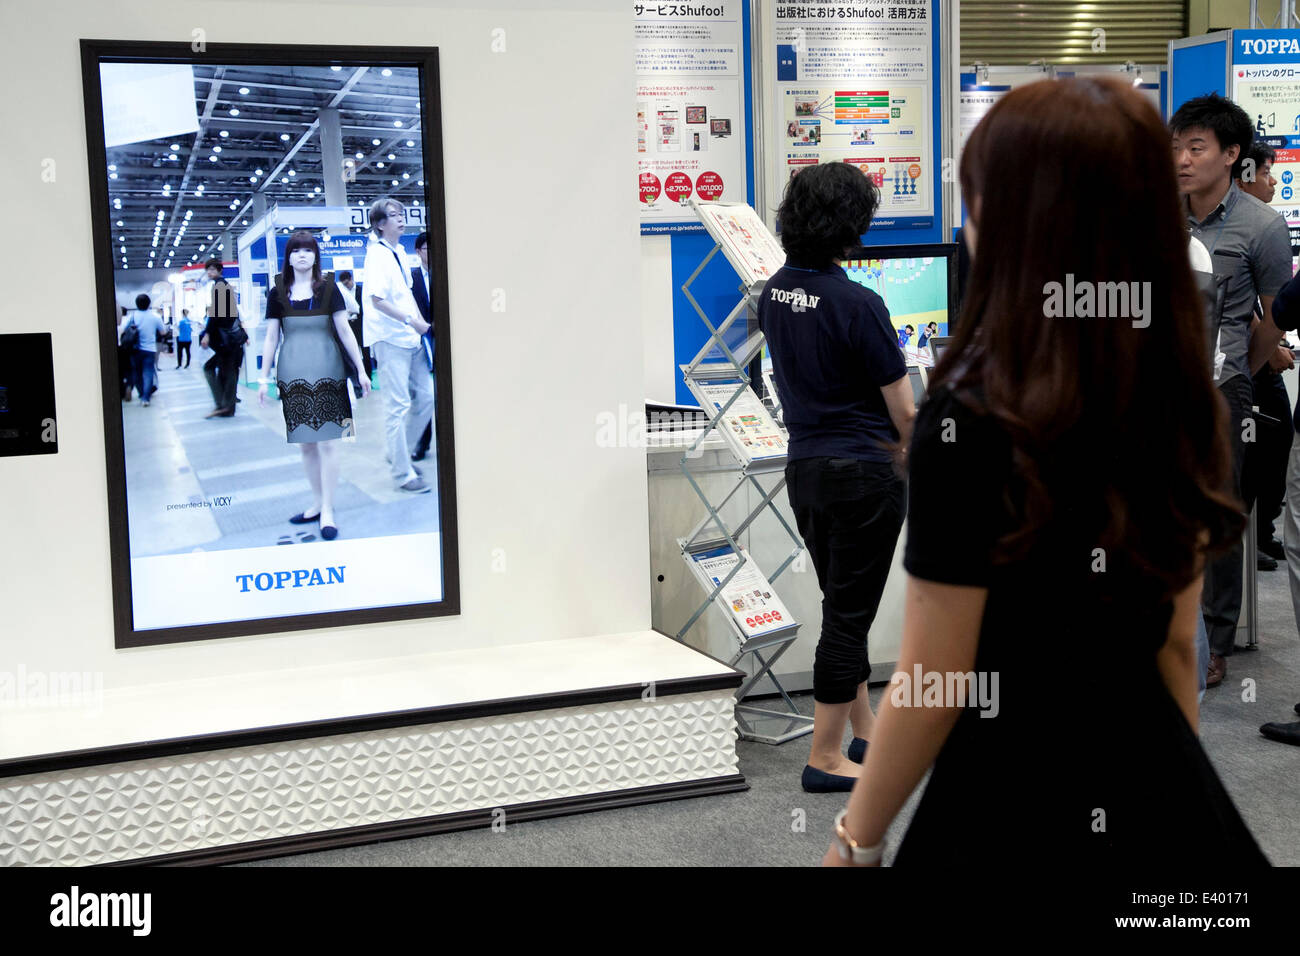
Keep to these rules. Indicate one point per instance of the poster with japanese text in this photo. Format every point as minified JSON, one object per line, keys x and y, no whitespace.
{"x":691,"y":125}
{"x":854,"y":84}
{"x":1266,"y":84}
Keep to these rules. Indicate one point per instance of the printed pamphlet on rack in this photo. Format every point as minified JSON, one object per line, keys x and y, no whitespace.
{"x":749,"y":598}
{"x":746,"y":242}
{"x":747,"y":426}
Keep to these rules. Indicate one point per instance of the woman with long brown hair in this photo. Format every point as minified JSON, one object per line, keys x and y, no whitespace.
{"x":311,"y":374}
{"x":1072,"y":431}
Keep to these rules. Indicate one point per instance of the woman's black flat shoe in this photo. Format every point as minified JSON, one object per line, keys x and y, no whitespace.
{"x":301,"y":518}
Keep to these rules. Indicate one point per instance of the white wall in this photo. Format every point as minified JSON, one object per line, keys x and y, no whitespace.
{"x":531,"y":209}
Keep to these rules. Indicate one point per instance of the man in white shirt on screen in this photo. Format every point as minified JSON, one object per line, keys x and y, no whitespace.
{"x":392,"y":328}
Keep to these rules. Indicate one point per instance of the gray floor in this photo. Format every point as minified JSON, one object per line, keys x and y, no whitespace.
{"x":176,"y":456}
{"x":762,"y":826}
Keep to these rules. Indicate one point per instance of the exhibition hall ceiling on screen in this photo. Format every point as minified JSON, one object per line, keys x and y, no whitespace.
{"x":253,"y":130}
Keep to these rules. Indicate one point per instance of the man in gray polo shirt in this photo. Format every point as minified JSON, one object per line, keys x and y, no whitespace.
{"x":1250,"y":245}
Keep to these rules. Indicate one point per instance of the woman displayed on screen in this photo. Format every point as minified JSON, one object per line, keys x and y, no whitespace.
{"x":306,"y":310}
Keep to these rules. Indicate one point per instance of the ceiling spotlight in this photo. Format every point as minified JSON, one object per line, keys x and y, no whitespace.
{"x":361,"y":155}
{"x":420,"y":183}
{"x":336,"y":68}
{"x":258,"y":171}
{"x":385,"y":72}
{"x":252,"y":179}
{"x":245,"y":222}
{"x":209,"y":237}
{"x":415,"y":202}
{"x":225,"y":133}
{"x":243,"y":91}
{"x":394,"y":182}
{"x":234,"y":112}
{"x":112,"y":167}
{"x":212,"y":158}
{"x":121,"y":248}
{"x":293,"y":172}
{"x":406,"y":175}
{"x":392,"y":155}
{"x":348,"y":163}
{"x":221,"y":222}
{"x":374,"y":142}
{"x":410,"y":142}
{"x":201,"y":248}
{"x":119,"y":222}
{"x":284,"y":137}
{"x":171,"y":156}
{"x":216,"y":149}
{"x":284,"y":179}
{"x":380,"y":165}
{"x":112,"y":175}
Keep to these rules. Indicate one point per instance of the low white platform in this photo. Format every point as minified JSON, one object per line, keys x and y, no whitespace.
{"x":471,"y":737}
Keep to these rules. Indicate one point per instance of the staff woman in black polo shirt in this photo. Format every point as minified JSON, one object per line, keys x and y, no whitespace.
{"x":848,"y":406}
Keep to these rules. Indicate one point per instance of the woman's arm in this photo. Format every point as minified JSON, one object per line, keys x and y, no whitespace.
{"x":1177,"y":658}
{"x":354,"y":351}
{"x":269,"y":347}
{"x":941,"y":626}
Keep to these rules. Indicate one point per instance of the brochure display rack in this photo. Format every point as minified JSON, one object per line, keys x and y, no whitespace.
{"x":719,"y":380}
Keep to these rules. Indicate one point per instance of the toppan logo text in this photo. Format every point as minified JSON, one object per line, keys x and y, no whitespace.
{"x":301,"y":578}
{"x":797,"y":299}
{"x":103,"y":909}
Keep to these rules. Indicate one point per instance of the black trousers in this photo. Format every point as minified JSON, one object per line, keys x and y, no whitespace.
{"x":1263,"y":478}
{"x":183,"y":348}
{"x":1221,"y":599}
{"x":222,"y":373}
{"x":849,"y":513}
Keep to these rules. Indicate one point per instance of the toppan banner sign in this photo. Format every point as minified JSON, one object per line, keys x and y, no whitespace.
{"x":1266,"y":46}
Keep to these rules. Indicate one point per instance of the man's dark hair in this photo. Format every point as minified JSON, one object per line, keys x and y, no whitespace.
{"x":1228,"y":122}
{"x":214,"y":263}
{"x":1260,"y":154}
{"x":825,"y":211}
{"x":421,"y":240}
{"x":142,"y":301}
{"x":345,"y":275}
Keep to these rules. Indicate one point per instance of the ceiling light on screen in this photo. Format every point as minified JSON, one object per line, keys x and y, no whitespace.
{"x":284,"y":137}
{"x":385,"y":72}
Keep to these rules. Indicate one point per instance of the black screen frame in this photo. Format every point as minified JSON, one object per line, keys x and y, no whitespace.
{"x":94,"y":52}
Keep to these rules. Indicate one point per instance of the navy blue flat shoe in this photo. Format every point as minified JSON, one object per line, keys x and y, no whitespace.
{"x":329,"y":532}
{"x":857,"y":750}
{"x":819,"y":781}
{"x":301,"y":518}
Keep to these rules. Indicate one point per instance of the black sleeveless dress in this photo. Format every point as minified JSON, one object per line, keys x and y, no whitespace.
{"x":310,"y":373}
{"x":1081,"y":765}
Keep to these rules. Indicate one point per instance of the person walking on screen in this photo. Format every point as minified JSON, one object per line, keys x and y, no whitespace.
{"x":421,"y":285}
{"x":1066,"y":517}
{"x":144,"y":355}
{"x":393,"y":328}
{"x":184,"y":335}
{"x":306,"y":309}
{"x":223,"y":335}
{"x":848,"y":405}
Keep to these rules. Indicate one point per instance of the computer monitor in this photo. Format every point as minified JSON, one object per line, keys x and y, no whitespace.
{"x":919,"y":286}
